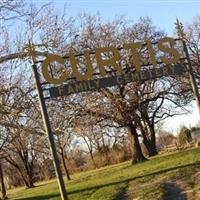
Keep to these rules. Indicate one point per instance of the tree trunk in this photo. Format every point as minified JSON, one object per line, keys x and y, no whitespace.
{"x":137,"y":151}
{"x":29,"y":174}
{"x":27,"y":181}
{"x":25,"y":175}
{"x":65,"y":166}
{"x":3,"y":188}
{"x":150,"y":144}
{"x":151,"y":147}
{"x":92,"y":158}
{"x":30,"y":181}
{"x":148,"y":129}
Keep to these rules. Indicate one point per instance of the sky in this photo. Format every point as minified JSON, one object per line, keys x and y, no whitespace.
{"x":163,"y":14}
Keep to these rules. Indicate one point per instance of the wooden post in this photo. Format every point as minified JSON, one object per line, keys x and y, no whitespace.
{"x":181,"y":34}
{"x":47,"y":126}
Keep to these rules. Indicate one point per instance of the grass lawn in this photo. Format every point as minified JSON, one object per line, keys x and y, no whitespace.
{"x":158,"y":178}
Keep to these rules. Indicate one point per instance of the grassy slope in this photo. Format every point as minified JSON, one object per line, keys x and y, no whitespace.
{"x":116,"y":181}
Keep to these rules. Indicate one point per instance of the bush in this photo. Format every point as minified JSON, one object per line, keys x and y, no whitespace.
{"x":184,"y":136}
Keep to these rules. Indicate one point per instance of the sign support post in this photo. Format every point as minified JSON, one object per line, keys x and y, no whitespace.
{"x":47,"y":126}
{"x":181,"y":34}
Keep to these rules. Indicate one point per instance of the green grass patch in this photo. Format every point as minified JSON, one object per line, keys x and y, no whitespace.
{"x":118,"y":181}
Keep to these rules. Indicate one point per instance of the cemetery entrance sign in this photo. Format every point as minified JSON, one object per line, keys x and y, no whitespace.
{"x":144,"y":59}
{"x":96,"y":84}
{"x":138,"y":62}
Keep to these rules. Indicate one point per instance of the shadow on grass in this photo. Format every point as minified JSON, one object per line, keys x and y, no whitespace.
{"x":121,"y":195}
{"x":41,"y":197}
{"x":172,"y":191}
{"x":46,"y":197}
{"x":134,"y":178}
